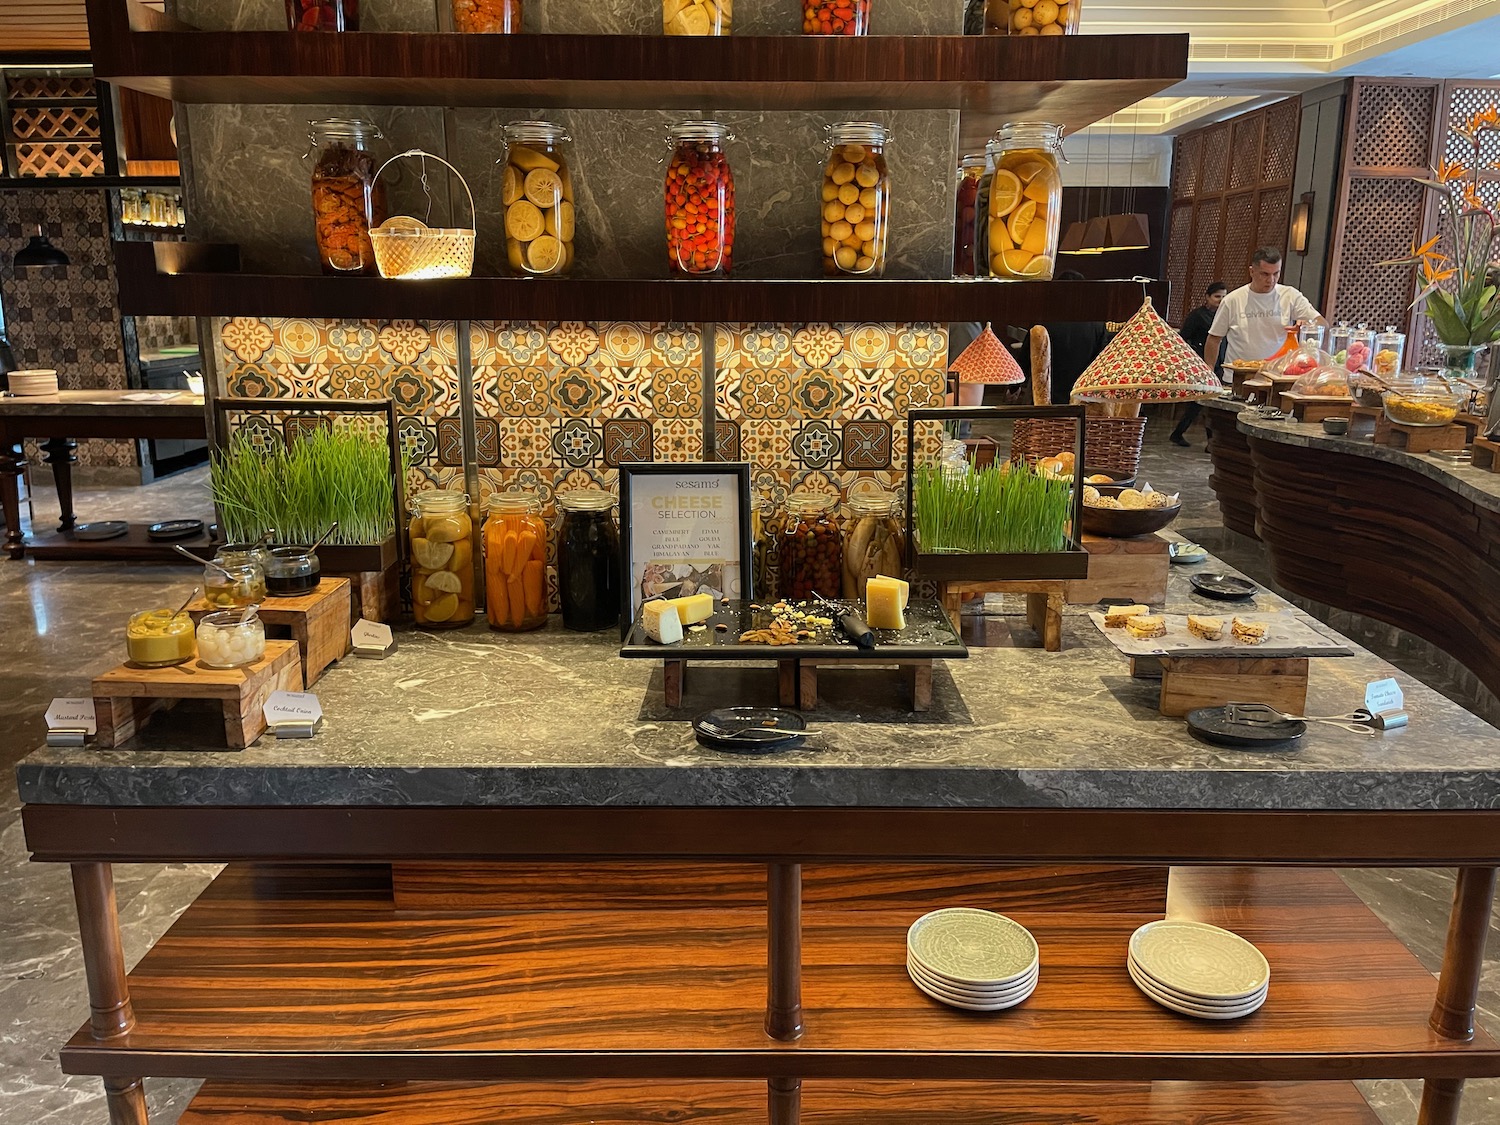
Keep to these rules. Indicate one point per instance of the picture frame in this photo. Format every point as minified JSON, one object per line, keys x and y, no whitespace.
{"x":684,"y":529}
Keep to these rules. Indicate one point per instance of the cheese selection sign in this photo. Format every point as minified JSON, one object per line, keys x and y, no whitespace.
{"x":685,"y":530}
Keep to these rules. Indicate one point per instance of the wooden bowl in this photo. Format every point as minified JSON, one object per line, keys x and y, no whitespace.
{"x":1124,"y":523}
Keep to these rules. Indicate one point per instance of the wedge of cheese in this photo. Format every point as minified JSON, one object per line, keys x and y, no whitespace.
{"x":693,"y":608}
{"x":885,"y":602}
{"x":661,"y":622}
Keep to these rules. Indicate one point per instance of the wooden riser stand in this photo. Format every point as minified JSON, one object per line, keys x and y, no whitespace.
{"x":318,"y":622}
{"x":797,"y":680}
{"x":1188,"y":683}
{"x":1487,"y":454}
{"x":1315,"y":408}
{"x":1133,"y":569}
{"x":1044,"y":604}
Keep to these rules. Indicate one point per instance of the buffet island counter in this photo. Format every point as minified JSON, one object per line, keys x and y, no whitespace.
{"x":505,"y":882}
{"x":1409,"y":539}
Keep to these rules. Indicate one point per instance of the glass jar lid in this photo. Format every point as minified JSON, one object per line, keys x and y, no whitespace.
{"x":809,"y":503}
{"x":1030,"y":134}
{"x":514,"y":501}
{"x":700,"y":131}
{"x":973,"y":160}
{"x":243,"y":618}
{"x":439,"y":500}
{"x":875,"y":503}
{"x":585,"y":500}
{"x":858,"y":133}
{"x":536,"y":132}
{"x":343,"y":129}
{"x":238,"y":571}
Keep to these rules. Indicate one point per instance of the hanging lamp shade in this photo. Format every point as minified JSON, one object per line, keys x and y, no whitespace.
{"x":1096,"y":236}
{"x":987,"y":361}
{"x":1128,"y":232}
{"x":1147,"y":362}
{"x":1072,"y":239}
{"x":40,"y":252}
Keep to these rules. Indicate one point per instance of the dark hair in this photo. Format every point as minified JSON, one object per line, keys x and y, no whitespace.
{"x":1268,"y":254}
{"x":1070,"y":275}
{"x":1215,"y":287}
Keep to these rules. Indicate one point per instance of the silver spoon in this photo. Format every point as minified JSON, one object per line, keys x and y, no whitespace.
{"x":185,"y":553}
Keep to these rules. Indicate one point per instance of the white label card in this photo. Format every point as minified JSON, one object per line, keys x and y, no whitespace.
{"x":1384,"y":695}
{"x":371,"y":634}
{"x":293,"y":707}
{"x":72,"y":714}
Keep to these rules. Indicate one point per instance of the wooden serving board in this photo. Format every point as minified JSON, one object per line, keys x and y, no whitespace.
{"x":318,"y":622}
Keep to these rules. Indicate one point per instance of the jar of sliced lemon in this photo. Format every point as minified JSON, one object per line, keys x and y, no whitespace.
{"x":1025,"y":201}
{"x":537,"y":194}
{"x":441,"y":534}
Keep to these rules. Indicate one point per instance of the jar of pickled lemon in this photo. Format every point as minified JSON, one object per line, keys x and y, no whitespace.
{"x":1032,"y":17}
{"x":537,"y":194}
{"x":442,"y":559}
{"x":856,"y":199}
{"x":1025,"y":201}
{"x":696,"y":17}
{"x":515,"y":562}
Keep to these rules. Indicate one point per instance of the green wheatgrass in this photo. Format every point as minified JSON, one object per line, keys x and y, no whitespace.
{"x":325,"y":476}
{"x":987,"y":511}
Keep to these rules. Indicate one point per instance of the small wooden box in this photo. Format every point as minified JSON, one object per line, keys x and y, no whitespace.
{"x":1421,"y":439}
{"x":1314,"y":408}
{"x":318,"y":622}
{"x":1487,"y":454}
{"x":1135,"y":569}
{"x":125,"y":698}
{"x":1366,"y":420}
{"x":1190,"y":682}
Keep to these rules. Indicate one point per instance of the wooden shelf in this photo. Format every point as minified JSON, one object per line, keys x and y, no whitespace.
{"x":1073,"y":80}
{"x":201,"y":279}
{"x":744,"y":1103}
{"x":280,"y":974}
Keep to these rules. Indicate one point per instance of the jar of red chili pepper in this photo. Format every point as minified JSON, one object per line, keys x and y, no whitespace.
{"x":322,"y":15}
{"x":347,"y":198}
{"x":487,"y":17}
{"x":699,"y":200}
{"x":812,"y":548}
{"x":836,"y":17}
{"x":971,"y":170}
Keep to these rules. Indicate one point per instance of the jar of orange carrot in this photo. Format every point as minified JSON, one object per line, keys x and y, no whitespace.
{"x":515,"y":562}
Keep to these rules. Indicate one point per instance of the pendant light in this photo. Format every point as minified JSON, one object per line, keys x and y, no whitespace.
{"x":1129,"y":230}
{"x":40,"y":253}
{"x":1075,"y":239}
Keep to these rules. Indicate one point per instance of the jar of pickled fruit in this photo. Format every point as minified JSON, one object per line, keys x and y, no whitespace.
{"x":1390,"y":349}
{"x":347,"y":197}
{"x":1361,"y":348}
{"x":1038,"y":17}
{"x":159,"y":638}
{"x":965,"y":210}
{"x":322,"y":15}
{"x":764,"y":543}
{"x":836,"y":17}
{"x":231,"y":638}
{"x":856,"y":199}
{"x":588,"y":560}
{"x":874,"y":542}
{"x":487,"y":17}
{"x":537,"y":194}
{"x":515,"y":562}
{"x":696,"y":17}
{"x":699,"y":200}
{"x":229,"y":585}
{"x":1025,"y":201}
{"x":812,"y":548}
{"x":441,"y":534}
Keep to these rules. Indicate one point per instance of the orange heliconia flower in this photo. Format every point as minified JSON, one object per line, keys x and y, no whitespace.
{"x":1431,"y":275}
{"x":1487,"y":118}
{"x":1447,"y":173}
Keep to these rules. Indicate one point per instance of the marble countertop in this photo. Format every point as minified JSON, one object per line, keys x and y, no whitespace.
{"x":474,"y":717}
{"x":1478,"y":485}
{"x":92,"y":402}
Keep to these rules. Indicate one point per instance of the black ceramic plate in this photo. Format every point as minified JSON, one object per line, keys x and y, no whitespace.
{"x":752,"y":730}
{"x":1212,"y":725}
{"x":175,"y":529}
{"x":1225,"y":587}
{"x":105,"y":529}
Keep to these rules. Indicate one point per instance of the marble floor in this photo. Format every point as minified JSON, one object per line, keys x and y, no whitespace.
{"x":60,"y":624}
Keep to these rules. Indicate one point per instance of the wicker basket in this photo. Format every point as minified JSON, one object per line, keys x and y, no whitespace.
{"x":1110,"y":445}
{"x":411,"y":250}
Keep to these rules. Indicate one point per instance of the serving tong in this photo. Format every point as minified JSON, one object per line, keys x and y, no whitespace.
{"x":1360,"y":721}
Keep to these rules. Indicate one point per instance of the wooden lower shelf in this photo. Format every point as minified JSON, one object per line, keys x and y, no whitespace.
{"x":744,"y":1103}
{"x":286,"y":973}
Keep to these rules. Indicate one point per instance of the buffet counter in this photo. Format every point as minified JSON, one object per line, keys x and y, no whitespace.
{"x":1404,"y":538}
{"x":368,"y":926}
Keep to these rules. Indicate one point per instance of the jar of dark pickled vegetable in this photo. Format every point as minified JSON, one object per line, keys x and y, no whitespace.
{"x":291,"y":572}
{"x":588,"y":560}
{"x":966,"y":212}
{"x":322,"y":15}
{"x":765,"y":538}
{"x":812,"y":548}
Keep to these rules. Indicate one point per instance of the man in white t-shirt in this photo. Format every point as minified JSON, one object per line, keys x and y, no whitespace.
{"x":1254,"y":318}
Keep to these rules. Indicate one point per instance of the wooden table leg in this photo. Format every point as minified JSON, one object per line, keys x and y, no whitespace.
{"x":110,"y":1013}
{"x":1044,"y":614}
{"x":787,"y":681}
{"x":61,"y":454}
{"x":807,"y":686}
{"x":1458,"y":986}
{"x":12,"y":462}
{"x":919,"y":680}
{"x":952,"y":597}
{"x":674,"y":681}
{"x":784,"y":951}
{"x":783,"y":1100}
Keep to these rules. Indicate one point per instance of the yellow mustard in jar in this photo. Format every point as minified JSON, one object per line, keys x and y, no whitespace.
{"x":159,"y":638}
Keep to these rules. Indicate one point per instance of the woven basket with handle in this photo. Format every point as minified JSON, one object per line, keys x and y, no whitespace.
{"x":411,"y":250}
{"x":1110,"y":445}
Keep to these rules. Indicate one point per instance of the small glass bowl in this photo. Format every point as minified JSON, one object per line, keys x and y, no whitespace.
{"x":291,"y":572}
{"x":243,"y":584}
{"x":159,"y":638}
{"x":231,"y":639}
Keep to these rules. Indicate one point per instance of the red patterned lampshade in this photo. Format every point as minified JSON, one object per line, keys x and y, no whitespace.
{"x":1147,"y":362}
{"x":987,"y":360}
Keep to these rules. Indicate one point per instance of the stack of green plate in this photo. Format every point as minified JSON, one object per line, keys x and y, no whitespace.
{"x":972,"y":959}
{"x":1198,"y":970}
